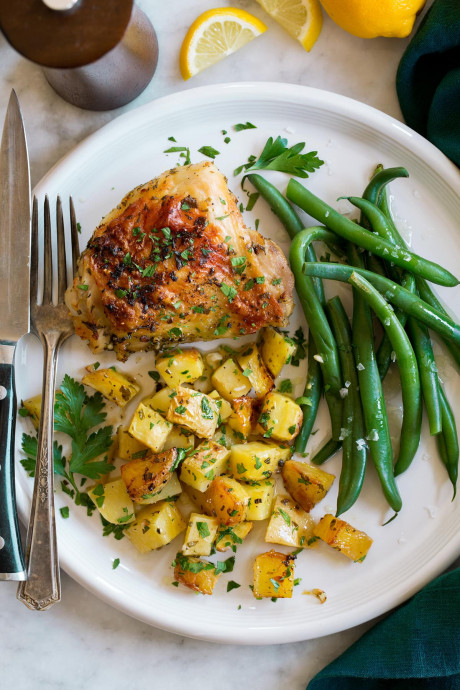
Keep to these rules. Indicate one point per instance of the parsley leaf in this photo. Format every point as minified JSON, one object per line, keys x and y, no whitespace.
{"x":203,"y":529}
{"x":209,"y":151}
{"x":232,"y":585}
{"x":247,"y":125}
{"x":276,"y":155}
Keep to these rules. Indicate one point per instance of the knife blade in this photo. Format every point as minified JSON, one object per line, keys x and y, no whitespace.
{"x":14,"y":318}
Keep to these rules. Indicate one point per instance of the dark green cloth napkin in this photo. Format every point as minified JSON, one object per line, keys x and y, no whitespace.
{"x":416,"y":648}
{"x":428,"y":78}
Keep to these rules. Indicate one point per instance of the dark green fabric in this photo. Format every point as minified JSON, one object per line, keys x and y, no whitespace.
{"x":416,"y":648}
{"x":428,"y":78}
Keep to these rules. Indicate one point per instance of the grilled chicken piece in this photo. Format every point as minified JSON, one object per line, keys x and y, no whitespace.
{"x":174,"y":262}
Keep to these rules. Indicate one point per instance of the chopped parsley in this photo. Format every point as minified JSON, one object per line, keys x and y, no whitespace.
{"x":115,"y":563}
{"x":232,"y":585}
{"x":285,"y":386}
{"x":203,"y":529}
{"x":206,"y":409}
{"x":241,"y":126}
{"x":229,"y":291}
{"x":209,"y":151}
{"x":65,"y":513}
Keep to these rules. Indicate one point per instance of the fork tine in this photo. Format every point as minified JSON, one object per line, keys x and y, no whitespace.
{"x":74,"y":237}
{"x":34,"y":254}
{"x":62,"y":265}
{"x":48,"y":257}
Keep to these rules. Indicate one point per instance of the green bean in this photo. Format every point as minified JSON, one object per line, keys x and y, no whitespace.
{"x":313,"y":390}
{"x":419,"y":336}
{"x":423,"y":349}
{"x":408,"y":370}
{"x":448,"y":441}
{"x":380,"y":179}
{"x":319,"y":327}
{"x":289,"y":218}
{"x":375,"y":416}
{"x":353,"y":452}
{"x":427,"y":294}
{"x":329,"y":449}
{"x":394,"y":293}
{"x":344,"y":227}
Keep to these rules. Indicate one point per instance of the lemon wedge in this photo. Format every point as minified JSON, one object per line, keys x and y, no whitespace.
{"x":302,"y":19}
{"x":214,"y":35}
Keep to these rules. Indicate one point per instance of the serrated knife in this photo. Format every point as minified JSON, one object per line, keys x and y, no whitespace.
{"x":14,"y":319}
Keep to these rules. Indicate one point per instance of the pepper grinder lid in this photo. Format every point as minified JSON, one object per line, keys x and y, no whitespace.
{"x":64,"y":33}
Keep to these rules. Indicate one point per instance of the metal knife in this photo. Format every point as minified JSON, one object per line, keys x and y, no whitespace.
{"x":14,"y":319}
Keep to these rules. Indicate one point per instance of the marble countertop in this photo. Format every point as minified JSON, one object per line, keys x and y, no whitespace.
{"x":83,"y":643}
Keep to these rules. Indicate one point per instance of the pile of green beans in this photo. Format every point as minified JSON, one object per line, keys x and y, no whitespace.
{"x":387,"y":280}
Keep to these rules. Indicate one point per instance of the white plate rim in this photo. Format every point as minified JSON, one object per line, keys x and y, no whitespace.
{"x":365,"y":115}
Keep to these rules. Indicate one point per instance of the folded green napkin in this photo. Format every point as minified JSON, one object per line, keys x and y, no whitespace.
{"x":428,"y":78}
{"x":416,"y":648}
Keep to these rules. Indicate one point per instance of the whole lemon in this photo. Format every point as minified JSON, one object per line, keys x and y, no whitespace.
{"x":372,"y":18}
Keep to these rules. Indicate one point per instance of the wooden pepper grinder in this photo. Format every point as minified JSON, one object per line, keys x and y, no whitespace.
{"x":97,"y":54}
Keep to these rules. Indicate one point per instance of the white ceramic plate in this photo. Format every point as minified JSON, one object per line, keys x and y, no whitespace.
{"x":352,"y":138}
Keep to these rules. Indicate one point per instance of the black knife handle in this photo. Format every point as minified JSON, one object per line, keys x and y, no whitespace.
{"x":11,"y":556}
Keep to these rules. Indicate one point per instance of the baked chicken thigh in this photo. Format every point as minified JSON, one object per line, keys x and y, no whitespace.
{"x":174,"y":262}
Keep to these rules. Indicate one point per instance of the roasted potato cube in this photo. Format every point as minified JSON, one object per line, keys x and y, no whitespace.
{"x":241,"y":418}
{"x":340,"y":535}
{"x":149,"y":427}
{"x":168,"y":490}
{"x":289,"y":524}
{"x":147,"y":475}
{"x":208,"y":461}
{"x":307,"y":484}
{"x":230,"y":382}
{"x":128,"y":447}
{"x":117,"y":387}
{"x":204,"y":383}
{"x":228,"y":500}
{"x":195,"y":574}
{"x":113,"y":502}
{"x":276,"y":349}
{"x":200,"y":499}
{"x":225,"y":409}
{"x":229,"y":537}
{"x":160,"y":400}
{"x":194,"y":411}
{"x":179,"y":438}
{"x":261,"y":495}
{"x":200,"y":534}
{"x":273,"y":575}
{"x":253,"y":461}
{"x":280,"y":417}
{"x":254,"y":368}
{"x":156,"y":526}
{"x":181,"y":366}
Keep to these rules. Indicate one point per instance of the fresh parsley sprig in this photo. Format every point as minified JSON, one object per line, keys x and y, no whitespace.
{"x":277,"y":155}
{"x":75,"y":414}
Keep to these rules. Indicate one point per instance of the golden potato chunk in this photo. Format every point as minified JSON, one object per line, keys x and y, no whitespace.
{"x":117,"y":387}
{"x":155,"y":526}
{"x":225,"y":409}
{"x":195,"y":574}
{"x":241,"y":418}
{"x":128,"y":447}
{"x":228,"y":500}
{"x":180,"y":366}
{"x":276,"y":349}
{"x":204,"y":464}
{"x":229,"y":381}
{"x":340,"y":535}
{"x":290,"y":525}
{"x":230,"y":537}
{"x":280,"y":417}
{"x":256,"y":460}
{"x":307,"y":484}
{"x":200,"y":534}
{"x":261,"y":495}
{"x":273,"y":575}
{"x":145,"y":476}
{"x":226,"y":436}
{"x":253,"y":367}
{"x":113,"y":502}
{"x":179,"y":438}
{"x":149,"y":427}
{"x":171,"y":488}
{"x":160,"y":400}
{"x":194,"y":411}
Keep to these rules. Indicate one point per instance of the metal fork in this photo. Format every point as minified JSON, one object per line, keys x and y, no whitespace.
{"x":53,"y":325}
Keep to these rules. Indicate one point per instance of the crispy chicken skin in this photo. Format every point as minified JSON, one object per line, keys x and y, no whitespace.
{"x":174,"y":262}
